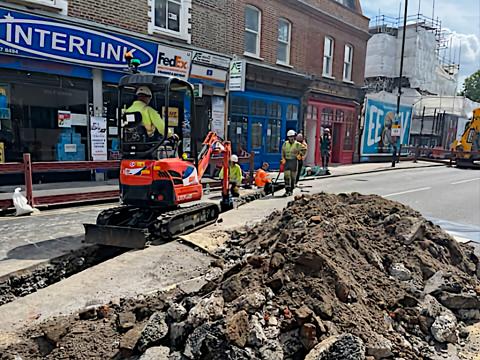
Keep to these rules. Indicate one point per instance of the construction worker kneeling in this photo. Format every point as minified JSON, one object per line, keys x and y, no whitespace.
{"x":235,"y":176}
{"x":262,"y":180}
{"x":290,"y":151}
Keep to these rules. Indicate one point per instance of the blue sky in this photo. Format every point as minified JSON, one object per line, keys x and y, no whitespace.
{"x":460,"y":17}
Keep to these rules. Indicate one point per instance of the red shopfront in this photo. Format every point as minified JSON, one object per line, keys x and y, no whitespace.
{"x":341,"y":120}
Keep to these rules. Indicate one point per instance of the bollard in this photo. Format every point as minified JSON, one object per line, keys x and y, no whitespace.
{"x":252,"y":168}
{"x":27,"y":171}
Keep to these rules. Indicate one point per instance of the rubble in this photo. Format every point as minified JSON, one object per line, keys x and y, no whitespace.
{"x":329,"y":277}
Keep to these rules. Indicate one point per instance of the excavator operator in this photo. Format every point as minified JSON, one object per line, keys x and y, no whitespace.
{"x":151,"y":119}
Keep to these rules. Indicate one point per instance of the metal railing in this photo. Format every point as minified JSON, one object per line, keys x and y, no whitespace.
{"x":28,"y":168}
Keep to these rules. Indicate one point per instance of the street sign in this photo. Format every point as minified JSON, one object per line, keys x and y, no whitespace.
{"x":396,"y":130}
{"x":237,"y":76}
{"x":198,"y":90}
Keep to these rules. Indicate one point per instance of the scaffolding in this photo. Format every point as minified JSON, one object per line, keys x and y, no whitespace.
{"x":430,"y":66}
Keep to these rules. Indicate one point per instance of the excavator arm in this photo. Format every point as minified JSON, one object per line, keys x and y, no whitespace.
{"x":213,"y":144}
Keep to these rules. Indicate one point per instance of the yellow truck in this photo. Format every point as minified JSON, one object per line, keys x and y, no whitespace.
{"x":467,"y":150}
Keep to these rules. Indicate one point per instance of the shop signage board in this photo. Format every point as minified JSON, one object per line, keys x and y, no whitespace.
{"x":237,"y":76}
{"x":174,"y":62}
{"x":379,"y":128}
{"x":98,"y":138}
{"x":218,"y":116}
{"x":64,"y":119}
{"x":209,"y":75}
{"x":203,"y":58}
{"x":28,"y":35}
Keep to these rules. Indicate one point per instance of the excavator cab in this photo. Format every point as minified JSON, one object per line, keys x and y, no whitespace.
{"x":168,"y":112}
{"x":160,"y":168}
{"x":467,"y":148}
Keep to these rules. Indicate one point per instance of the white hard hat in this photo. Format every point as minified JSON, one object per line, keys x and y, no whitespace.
{"x":144,"y":90}
{"x":291,"y":133}
{"x":234,"y":158}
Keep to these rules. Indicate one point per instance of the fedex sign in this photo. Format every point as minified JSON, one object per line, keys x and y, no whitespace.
{"x":380,"y":118}
{"x":174,"y":62}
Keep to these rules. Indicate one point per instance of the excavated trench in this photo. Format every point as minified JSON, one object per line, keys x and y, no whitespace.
{"x":27,"y":281}
{"x":30,"y":280}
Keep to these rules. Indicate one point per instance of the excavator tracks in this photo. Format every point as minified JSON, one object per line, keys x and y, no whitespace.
{"x":132,"y":227}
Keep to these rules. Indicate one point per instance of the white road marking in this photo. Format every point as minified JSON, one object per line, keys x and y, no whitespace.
{"x":407,"y":191}
{"x":464,"y":181}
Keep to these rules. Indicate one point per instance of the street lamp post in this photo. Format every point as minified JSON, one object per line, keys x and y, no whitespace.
{"x":400,"y":80}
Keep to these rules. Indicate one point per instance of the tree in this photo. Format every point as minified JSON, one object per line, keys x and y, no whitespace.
{"x":472,"y":87}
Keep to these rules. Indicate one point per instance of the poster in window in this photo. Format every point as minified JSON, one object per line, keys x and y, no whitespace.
{"x":98,"y":138}
{"x":4,"y":102}
{"x":218,"y":116}
{"x":2,"y":152}
{"x":173,"y":115}
{"x":64,"y":119}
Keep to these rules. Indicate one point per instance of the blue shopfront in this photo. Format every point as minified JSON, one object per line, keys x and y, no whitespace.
{"x":57,"y":73}
{"x":259,"y":122}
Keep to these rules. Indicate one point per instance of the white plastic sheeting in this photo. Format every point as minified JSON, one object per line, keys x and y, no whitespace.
{"x":421,"y":65}
{"x":454,"y":105}
{"x":381,"y":56}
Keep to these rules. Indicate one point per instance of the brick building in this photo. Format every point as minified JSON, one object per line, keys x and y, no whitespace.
{"x":311,"y":73}
{"x":305,"y":65}
{"x":71,"y":62}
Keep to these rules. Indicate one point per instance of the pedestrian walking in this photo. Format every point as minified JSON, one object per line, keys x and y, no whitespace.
{"x":290,"y":150}
{"x":301,"y":156}
{"x":325,"y":147}
{"x":235,"y":175}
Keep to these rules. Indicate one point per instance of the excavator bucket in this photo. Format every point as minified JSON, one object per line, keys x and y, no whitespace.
{"x":118,"y":236}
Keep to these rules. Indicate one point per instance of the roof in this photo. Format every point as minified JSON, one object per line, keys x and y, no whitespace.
{"x":150,"y":80}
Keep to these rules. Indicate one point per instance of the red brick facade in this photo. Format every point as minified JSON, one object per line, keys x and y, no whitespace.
{"x":218,"y":25}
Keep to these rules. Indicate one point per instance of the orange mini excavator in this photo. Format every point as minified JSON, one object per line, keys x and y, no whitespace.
{"x":155,"y":180}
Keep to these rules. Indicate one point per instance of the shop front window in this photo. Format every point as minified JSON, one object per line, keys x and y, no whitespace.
{"x":292,"y":112}
{"x":309,"y":112}
{"x":327,"y":117}
{"x":273,"y":135}
{"x":340,"y":115}
{"x":259,"y":108}
{"x":238,"y":134}
{"x":239,"y":105}
{"x":257,"y":135}
{"x":348,"y":137}
{"x":50,"y":123}
{"x":274,"y":110}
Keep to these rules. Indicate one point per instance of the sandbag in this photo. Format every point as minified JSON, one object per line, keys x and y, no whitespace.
{"x":21,"y":203}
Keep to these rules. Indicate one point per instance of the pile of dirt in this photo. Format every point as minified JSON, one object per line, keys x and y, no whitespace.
{"x":329,"y":277}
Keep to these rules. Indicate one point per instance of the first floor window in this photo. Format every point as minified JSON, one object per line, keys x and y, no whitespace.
{"x":347,"y":63}
{"x":284,"y":36}
{"x":168,"y":14}
{"x":327,"y":56}
{"x":252,"y":30}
